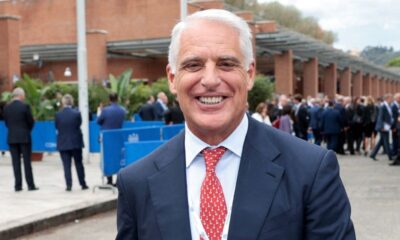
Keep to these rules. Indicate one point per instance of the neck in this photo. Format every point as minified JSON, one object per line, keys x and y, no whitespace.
{"x":214,"y":137}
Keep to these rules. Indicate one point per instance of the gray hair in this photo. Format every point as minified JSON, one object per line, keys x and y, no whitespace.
{"x":217,"y":15}
{"x":67,"y":100}
{"x":18,"y":92}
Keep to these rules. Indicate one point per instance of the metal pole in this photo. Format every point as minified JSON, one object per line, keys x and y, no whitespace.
{"x":82,"y":75}
{"x":183,"y":9}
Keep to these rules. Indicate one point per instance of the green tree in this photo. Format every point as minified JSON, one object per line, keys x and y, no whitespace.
{"x":35,"y":95}
{"x":262,"y":90}
{"x":395,"y":62}
{"x":122,"y":85}
{"x":287,"y":16}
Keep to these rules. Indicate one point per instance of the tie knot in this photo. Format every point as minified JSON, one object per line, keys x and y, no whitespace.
{"x":212,"y":156}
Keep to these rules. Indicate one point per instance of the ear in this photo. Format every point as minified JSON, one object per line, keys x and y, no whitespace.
{"x":171,"y":80}
{"x":251,"y":75}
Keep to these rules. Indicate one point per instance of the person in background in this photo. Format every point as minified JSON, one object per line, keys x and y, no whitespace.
{"x":349,"y":128}
{"x":371,"y":113}
{"x":342,"y":136}
{"x":68,"y":123}
{"x":331,"y":125}
{"x":396,"y":124}
{"x":160,"y":106}
{"x":19,"y":121}
{"x":261,"y":114}
{"x":383,"y":125}
{"x":228,"y":176}
{"x":174,"y":114}
{"x":358,"y":122}
{"x":276,"y":111}
{"x":146,"y":111}
{"x":111,"y":117}
{"x":301,"y":118}
{"x":286,"y":122}
{"x":315,"y":113}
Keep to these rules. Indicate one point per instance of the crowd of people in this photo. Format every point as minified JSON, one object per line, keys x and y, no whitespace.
{"x":345,"y":124}
{"x":158,"y":110}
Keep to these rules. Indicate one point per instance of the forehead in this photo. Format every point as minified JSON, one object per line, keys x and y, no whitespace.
{"x":209,"y":36}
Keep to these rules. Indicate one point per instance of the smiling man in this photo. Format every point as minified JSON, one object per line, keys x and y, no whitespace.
{"x":228,"y":176}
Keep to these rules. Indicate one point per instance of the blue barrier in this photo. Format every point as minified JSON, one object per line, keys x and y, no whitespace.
{"x":3,"y":136}
{"x":137,"y":150}
{"x":94,"y":130}
{"x":113,"y":151}
{"x":43,"y":136}
{"x":171,"y":130}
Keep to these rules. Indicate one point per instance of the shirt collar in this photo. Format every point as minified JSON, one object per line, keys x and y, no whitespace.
{"x":234,"y":142}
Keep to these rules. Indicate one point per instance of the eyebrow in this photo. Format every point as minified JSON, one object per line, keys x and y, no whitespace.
{"x":190,"y":59}
{"x":229,"y":58}
{"x":222,"y":58}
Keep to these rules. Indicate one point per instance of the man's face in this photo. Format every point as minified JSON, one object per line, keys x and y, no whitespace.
{"x":211,"y":81}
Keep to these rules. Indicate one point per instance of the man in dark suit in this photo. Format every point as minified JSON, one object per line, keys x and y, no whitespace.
{"x":342,"y":136}
{"x":396,"y":127}
{"x":174,"y":114}
{"x":111,"y":117}
{"x":146,"y":111}
{"x":227,"y":175}
{"x":383,"y":125}
{"x":70,"y":141}
{"x":301,"y":117}
{"x":315,"y":113}
{"x":331,"y":125}
{"x":19,"y":121}
{"x":396,"y":124}
{"x":160,"y":106}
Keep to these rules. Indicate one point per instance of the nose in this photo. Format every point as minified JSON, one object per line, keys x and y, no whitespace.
{"x":210,"y":78}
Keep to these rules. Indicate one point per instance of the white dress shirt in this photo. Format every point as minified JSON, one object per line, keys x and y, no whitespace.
{"x":227,"y":171}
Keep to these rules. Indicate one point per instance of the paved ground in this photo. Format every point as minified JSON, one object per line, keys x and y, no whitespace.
{"x":373,"y":188}
{"x":98,"y":227}
{"x":51,"y":200}
{"x":374,"y":191}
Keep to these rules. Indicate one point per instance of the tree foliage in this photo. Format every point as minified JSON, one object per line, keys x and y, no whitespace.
{"x":262,"y":90}
{"x":395,"y":62}
{"x":287,"y":16}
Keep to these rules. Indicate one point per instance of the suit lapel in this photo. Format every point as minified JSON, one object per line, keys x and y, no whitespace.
{"x":169,"y":193}
{"x":258,"y":180}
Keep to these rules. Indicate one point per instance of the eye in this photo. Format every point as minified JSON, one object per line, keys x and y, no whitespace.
{"x":227,"y":65}
{"x":193,"y":66}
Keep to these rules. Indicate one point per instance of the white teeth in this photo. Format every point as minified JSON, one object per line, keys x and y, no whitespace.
{"x":210,"y":100}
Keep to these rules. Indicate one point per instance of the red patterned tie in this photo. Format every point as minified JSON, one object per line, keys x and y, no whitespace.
{"x":212,"y":201}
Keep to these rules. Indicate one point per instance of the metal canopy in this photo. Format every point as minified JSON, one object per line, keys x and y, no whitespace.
{"x":53,"y":52}
{"x":305,"y":48}
{"x":147,"y":48}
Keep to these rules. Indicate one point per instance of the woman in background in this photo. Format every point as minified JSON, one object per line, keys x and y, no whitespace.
{"x":261,"y":114}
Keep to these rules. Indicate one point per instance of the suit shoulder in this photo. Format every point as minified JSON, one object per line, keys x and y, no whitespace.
{"x":292,"y":149}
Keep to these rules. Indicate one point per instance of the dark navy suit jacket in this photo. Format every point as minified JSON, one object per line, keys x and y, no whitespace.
{"x":19,"y":121}
{"x":286,"y":189}
{"x":111,"y":117}
{"x":158,"y":111}
{"x":315,"y":117}
{"x":384,"y":116}
{"x":331,"y":121}
{"x":68,"y":125}
{"x":395,"y":115}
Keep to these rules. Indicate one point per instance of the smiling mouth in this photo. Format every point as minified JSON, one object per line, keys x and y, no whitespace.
{"x":211,"y":100}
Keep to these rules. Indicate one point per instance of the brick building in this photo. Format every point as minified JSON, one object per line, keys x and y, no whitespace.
{"x":38,"y":37}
